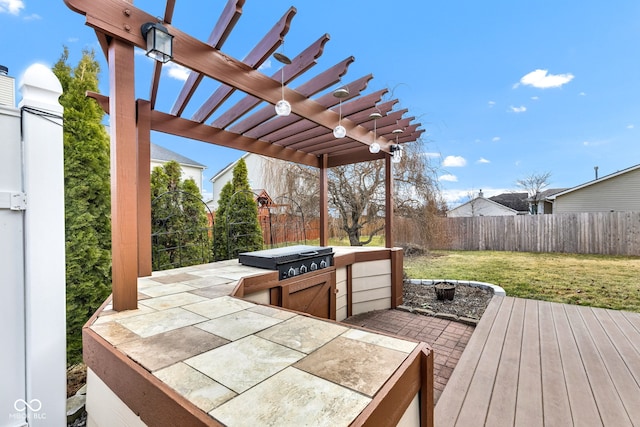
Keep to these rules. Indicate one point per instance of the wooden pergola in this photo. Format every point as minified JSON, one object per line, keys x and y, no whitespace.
{"x":250,"y":124}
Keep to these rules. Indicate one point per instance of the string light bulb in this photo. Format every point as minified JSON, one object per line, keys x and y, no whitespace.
{"x":339,"y":131}
{"x":282,"y":107}
{"x":374,"y":147}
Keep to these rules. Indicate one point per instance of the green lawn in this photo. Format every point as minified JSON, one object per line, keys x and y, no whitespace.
{"x":594,"y":280}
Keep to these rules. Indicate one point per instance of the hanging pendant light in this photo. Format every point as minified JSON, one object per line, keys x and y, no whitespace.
{"x":283,"y":108}
{"x":340,"y":131}
{"x":396,"y":150}
{"x":374,"y":148}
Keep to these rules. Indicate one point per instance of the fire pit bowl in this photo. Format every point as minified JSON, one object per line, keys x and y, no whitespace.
{"x":445,"y":290}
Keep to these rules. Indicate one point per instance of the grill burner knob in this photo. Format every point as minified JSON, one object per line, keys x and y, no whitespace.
{"x":303,"y":269}
{"x":313,"y":266}
{"x":291,"y":272}
{"x":323,"y":264}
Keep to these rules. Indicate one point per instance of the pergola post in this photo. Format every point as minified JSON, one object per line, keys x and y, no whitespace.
{"x":324,"y":201}
{"x":124,"y":176}
{"x":388,"y":201}
{"x":144,"y":187}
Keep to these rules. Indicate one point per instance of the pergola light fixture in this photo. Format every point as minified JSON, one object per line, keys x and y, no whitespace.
{"x":159,"y":41}
{"x":396,"y":149}
{"x":340,"y":93}
{"x":283,"y":108}
{"x":374,"y":148}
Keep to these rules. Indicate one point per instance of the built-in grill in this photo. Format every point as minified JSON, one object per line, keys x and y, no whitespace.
{"x":290,"y":261}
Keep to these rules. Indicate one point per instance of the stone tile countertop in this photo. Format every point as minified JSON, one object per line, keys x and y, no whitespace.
{"x":226,"y":354}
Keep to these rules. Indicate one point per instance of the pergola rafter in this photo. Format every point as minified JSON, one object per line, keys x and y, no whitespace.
{"x":250,"y":124}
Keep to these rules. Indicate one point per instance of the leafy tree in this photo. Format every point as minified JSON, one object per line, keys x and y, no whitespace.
{"x":237,"y":228}
{"x":180,"y":226}
{"x":533,"y":184}
{"x":87,"y":197}
{"x":357,"y":193}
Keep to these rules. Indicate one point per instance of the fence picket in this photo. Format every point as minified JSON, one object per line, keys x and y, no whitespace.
{"x":606,"y":233}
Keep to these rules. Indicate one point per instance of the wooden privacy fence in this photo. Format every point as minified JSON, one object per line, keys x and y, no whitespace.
{"x":606,"y":233}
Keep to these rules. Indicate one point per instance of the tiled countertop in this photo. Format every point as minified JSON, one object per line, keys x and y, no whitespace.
{"x":245,"y":363}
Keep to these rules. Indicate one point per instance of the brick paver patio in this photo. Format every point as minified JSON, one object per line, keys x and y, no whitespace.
{"x":447,"y":338}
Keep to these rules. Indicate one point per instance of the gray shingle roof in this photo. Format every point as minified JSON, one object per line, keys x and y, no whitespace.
{"x":165,"y":155}
{"x":515,"y":201}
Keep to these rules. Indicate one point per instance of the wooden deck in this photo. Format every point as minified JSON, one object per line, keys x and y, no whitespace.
{"x":537,"y":363}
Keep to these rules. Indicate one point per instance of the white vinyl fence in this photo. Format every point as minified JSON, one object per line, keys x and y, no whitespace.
{"x":32,"y":265}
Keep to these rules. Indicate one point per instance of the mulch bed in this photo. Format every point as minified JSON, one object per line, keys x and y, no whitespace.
{"x":468,"y":301}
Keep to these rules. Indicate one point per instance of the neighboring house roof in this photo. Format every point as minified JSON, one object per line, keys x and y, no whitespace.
{"x":515,"y":201}
{"x":165,"y":155}
{"x":550,"y":192}
{"x":227,"y":167}
{"x":595,"y":181}
{"x":480,"y":198}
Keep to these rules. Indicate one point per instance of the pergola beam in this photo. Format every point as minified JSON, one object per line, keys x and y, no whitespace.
{"x":178,"y":126}
{"x":219,"y":34}
{"x":254,"y":59}
{"x":298,"y":66}
{"x":108,"y":17}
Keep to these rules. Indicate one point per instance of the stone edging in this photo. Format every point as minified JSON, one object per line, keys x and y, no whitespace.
{"x":497,"y":290}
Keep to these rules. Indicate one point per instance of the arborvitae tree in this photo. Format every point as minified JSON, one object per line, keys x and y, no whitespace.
{"x":179,"y":220}
{"x":220,"y":237}
{"x":87,"y":197}
{"x":237,"y":228}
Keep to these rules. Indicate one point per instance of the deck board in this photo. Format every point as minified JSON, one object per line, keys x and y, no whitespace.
{"x":505,"y":388}
{"x":529,"y":393}
{"x":482,"y":383}
{"x":457,"y":384}
{"x":622,"y":379}
{"x":538,"y":363}
{"x":556,"y":405}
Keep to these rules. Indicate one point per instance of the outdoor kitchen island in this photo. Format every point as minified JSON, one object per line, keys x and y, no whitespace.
{"x":206,"y":346}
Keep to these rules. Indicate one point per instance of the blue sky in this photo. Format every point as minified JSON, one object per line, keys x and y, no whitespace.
{"x":504,"y":89}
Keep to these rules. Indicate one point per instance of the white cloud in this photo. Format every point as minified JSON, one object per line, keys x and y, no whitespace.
{"x":448,"y":178}
{"x":454,"y":161}
{"x":33,"y":17}
{"x":596,"y":143}
{"x":582,"y":94}
{"x":495,"y":139}
{"x":535,"y":98}
{"x":520,"y":109}
{"x":491,"y":103}
{"x":11,"y":6}
{"x":265,"y":65}
{"x":543,"y":80}
{"x":176,"y":71}
{"x":631,"y":126}
{"x":483,"y":160}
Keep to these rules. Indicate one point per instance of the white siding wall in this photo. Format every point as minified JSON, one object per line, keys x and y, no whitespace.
{"x":255,"y":167}
{"x":104,"y":407}
{"x":341,"y":297}
{"x":187,"y":172}
{"x":371,"y":288}
{"x":619,"y":193}
{"x":480,"y":207}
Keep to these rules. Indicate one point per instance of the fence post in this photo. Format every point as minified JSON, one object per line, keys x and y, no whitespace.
{"x":12,"y":332}
{"x":44,"y":247}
